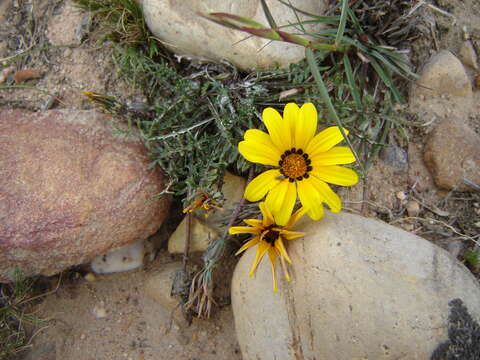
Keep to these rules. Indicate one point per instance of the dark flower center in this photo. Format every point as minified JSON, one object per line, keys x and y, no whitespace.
{"x":295,"y":165}
{"x":269,"y":235}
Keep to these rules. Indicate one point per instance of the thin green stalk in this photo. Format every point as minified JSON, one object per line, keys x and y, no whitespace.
{"x":343,"y":22}
{"x":326,"y":98}
{"x":351,"y":83}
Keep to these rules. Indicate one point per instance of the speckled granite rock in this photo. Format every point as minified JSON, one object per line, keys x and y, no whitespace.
{"x":70,"y":190}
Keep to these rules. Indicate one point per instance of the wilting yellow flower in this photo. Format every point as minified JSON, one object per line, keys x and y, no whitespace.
{"x":203,"y":201}
{"x":304,"y":162}
{"x":269,"y":237}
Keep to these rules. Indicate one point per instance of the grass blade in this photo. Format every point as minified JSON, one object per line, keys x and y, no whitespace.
{"x":326,"y":98}
{"x":351,"y":83}
{"x":343,"y":22}
{"x":268,"y":14}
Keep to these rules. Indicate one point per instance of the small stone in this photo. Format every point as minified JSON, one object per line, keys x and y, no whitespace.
{"x":468,"y":55}
{"x":401,"y":195}
{"x":455,"y":247}
{"x":5,"y":73}
{"x":90,"y":277}
{"x":444,"y":74}
{"x":126,"y":258}
{"x":83,"y":28}
{"x":25,"y":75}
{"x":82,"y":337}
{"x":99,"y":311}
{"x":395,"y":156}
{"x":413,"y":208}
{"x":452,"y":154}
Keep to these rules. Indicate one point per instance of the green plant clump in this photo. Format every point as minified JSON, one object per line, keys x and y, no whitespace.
{"x":13,"y":299}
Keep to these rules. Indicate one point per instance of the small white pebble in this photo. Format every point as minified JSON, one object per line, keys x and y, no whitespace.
{"x":99,"y":312}
{"x":82,"y":337}
{"x":401,"y":195}
{"x":90,"y":277}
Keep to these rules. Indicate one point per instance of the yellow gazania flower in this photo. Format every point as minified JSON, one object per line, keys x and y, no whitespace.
{"x":269,"y":237}
{"x":304,"y":162}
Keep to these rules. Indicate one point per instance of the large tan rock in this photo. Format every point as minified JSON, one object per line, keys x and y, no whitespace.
{"x":70,"y":190}
{"x":181,"y":28}
{"x":452,"y":154}
{"x":361,"y":289}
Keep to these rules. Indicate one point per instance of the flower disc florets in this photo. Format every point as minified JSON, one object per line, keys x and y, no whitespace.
{"x":295,"y":165}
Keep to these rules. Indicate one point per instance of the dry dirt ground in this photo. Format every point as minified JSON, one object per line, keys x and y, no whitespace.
{"x":135,"y":327}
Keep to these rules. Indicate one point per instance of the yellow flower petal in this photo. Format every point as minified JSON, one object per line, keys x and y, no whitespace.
{"x":253,"y":222}
{"x":310,"y":198}
{"x":243,"y":230}
{"x":326,"y":193}
{"x":272,"y":254}
{"x":290,"y":235}
{"x":336,"y":175}
{"x":283,"y":215}
{"x":284,"y":267}
{"x":290,"y":115}
{"x":281,"y":250}
{"x":297,"y":215}
{"x":266,"y":215}
{"x":259,"y":137}
{"x":248,"y":244}
{"x":281,"y":200}
{"x":325,"y":140}
{"x":258,"y":187}
{"x":306,"y":126}
{"x":257,"y":152}
{"x":262,"y":248}
{"x":278,"y":129}
{"x":275,"y":196}
{"x":335,"y":156}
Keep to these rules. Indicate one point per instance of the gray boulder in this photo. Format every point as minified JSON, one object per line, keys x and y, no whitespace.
{"x":361,"y":289}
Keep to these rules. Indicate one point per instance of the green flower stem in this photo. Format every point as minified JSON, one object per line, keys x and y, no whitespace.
{"x":257,"y":29}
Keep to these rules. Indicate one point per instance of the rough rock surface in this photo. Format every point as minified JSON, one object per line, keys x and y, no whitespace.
{"x":468,"y":55}
{"x":443,"y":88}
{"x":184,"y":31}
{"x":452,"y":153}
{"x":361,"y":289}
{"x":158,"y":287}
{"x":444,"y":74}
{"x":70,"y":190}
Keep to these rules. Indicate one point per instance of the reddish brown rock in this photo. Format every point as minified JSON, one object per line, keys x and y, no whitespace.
{"x":452,"y":154}
{"x":70,"y":190}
